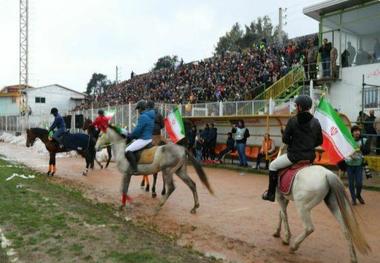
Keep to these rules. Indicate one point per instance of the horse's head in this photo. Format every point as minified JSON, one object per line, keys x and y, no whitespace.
{"x":87,"y":123}
{"x":113,"y":135}
{"x":30,"y":138}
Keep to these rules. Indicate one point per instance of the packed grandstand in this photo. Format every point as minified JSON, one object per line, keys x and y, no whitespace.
{"x":231,"y":76}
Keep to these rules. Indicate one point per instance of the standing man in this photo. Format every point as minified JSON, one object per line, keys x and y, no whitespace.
{"x":325,"y":55}
{"x":241,"y":135}
{"x":312,"y":54}
{"x":302,"y":134}
{"x":213,"y":139}
{"x":369,"y":128}
{"x":355,"y":167}
{"x":101,"y":122}
{"x":58,"y":123}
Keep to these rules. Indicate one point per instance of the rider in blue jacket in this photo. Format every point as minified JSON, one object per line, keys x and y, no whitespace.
{"x":58,"y":123}
{"x":142,"y":133}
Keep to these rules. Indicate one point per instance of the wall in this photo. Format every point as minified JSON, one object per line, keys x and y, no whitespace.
{"x":55,"y":97}
{"x":9,"y":108}
{"x":346,"y":94}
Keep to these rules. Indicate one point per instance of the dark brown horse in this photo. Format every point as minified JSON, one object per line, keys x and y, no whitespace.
{"x":94,"y":134}
{"x":78,"y":142}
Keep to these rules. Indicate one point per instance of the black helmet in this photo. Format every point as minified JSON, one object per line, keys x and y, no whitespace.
{"x":101,"y":112}
{"x":53,"y":111}
{"x":150,"y":104}
{"x":141,"y":105}
{"x":304,"y":101}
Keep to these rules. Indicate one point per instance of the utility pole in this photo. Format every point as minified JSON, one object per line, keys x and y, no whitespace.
{"x":117,"y":74}
{"x":23,"y":44}
{"x":281,"y":23}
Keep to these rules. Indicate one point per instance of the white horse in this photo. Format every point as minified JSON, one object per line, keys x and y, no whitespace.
{"x":312,"y":185}
{"x":169,"y":158}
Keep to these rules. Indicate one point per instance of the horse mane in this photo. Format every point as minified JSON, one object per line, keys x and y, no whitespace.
{"x":39,"y":130}
{"x":117,"y":130}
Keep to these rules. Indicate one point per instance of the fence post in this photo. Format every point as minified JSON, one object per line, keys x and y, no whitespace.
{"x":253,"y":107}
{"x":6,"y":123}
{"x":122,"y":115}
{"x":236,"y":108}
{"x":129,"y":117}
{"x":180,"y":108}
{"x":220,"y":108}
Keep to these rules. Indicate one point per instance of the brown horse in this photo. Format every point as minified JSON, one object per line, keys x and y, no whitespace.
{"x":94,"y":134}
{"x":78,"y":142}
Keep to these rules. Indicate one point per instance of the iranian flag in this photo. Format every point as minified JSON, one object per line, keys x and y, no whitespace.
{"x":174,"y":126}
{"x":337,"y":138}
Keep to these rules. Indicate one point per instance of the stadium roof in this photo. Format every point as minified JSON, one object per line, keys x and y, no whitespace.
{"x":325,"y":7}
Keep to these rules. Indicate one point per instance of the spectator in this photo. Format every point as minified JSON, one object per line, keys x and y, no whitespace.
{"x":351,"y":53}
{"x":241,"y":135}
{"x":377,"y":128}
{"x":191,"y":135}
{"x":312,"y":54}
{"x":213,"y":140}
{"x":360,"y":120}
{"x":325,"y":56}
{"x":230,"y":147}
{"x":205,"y":136}
{"x":267,"y":148}
{"x":355,"y":168}
{"x":198,"y":146}
{"x":333,"y":57}
{"x":369,"y":128}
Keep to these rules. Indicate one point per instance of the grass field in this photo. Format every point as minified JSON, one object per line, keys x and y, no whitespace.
{"x":48,"y":222}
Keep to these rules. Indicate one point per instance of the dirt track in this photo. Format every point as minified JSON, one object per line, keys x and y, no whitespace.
{"x":235,"y":224}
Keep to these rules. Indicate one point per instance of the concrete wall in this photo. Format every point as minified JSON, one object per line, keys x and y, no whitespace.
{"x":55,"y":96}
{"x":7,"y":107}
{"x":346,"y":94}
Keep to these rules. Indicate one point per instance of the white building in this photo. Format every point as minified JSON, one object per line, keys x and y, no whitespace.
{"x":353,"y":28}
{"x":41,"y":100}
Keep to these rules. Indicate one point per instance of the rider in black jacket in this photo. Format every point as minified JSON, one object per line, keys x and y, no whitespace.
{"x":302,"y":134}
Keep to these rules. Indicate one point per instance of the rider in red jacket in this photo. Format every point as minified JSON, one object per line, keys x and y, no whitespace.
{"x":101,"y":122}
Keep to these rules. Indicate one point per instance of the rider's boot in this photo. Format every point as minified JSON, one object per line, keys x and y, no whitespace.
{"x":270,"y":194}
{"x":132,"y":161}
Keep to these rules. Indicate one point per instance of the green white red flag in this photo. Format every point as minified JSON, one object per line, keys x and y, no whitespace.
{"x":174,"y":126}
{"x":337,"y":139}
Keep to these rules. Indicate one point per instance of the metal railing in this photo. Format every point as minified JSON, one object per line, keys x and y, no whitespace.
{"x":126,"y":116}
{"x":283,"y":84}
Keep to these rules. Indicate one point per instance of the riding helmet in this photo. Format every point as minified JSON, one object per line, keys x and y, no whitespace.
{"x":150,"y":104}
{"x":54,"y":111}
{"x":141,"y":105}
{"x":101,"y":112}
{"x":304,"y":101}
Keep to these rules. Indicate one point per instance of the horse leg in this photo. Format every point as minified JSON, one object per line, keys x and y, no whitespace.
{"x":125,"y":197}
{"x":143,"y":182}
{"x":146,"y":177}
{"x":182,"y":173}
{"x":283,"y":202}
{"x":332,"y":204}
{"x":109,"y":151}
{"x":305,"y":215}
{"x":163,"y":192}
{"x":88,"y":163}
{"x":154,"y":185}
{"x":170,"y":184}
{"x":54,"y":169}
{"x":99,"y":163}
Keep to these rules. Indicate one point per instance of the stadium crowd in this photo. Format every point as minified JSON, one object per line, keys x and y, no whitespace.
{"x":231,"y":76}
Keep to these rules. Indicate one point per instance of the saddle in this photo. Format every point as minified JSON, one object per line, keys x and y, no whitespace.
{"x":287,"y":175}
{"x":146,"y":154}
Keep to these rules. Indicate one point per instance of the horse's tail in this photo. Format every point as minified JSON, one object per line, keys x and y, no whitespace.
{"x":348,"y":214}
{"x":199,"y":169}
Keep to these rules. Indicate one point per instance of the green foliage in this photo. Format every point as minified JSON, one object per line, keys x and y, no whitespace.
{"x":167,"y":62}
{"x":252,"y":34}
{"x":98,"y":84}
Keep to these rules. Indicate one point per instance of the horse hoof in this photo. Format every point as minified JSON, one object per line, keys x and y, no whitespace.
{"x":276,"y":235}
{"x":193,"y":211}
{"x":101,"y":167}
{"x":48,"y":173}
{"x":84,"y":174}
{"x":147,"y":189}
{"x":52,"y":174}
{"x":154,"y":195}
{"x":163,"y":192}
{"x":285,"y":242}
{"x":121,"y":207}
{"x":292,"y":250}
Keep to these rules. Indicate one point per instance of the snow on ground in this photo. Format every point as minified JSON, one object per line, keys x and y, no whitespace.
{"x":40,"y":148}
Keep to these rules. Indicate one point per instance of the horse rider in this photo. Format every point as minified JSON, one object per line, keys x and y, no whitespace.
{"x":158,"y":124}
{"x":58,"y":123}
{"x":142,"y":133}
{"x":101,"y":122}
{"x":302,"y":134}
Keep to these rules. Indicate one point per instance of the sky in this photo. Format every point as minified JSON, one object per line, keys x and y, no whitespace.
{"x":69,"y":40}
